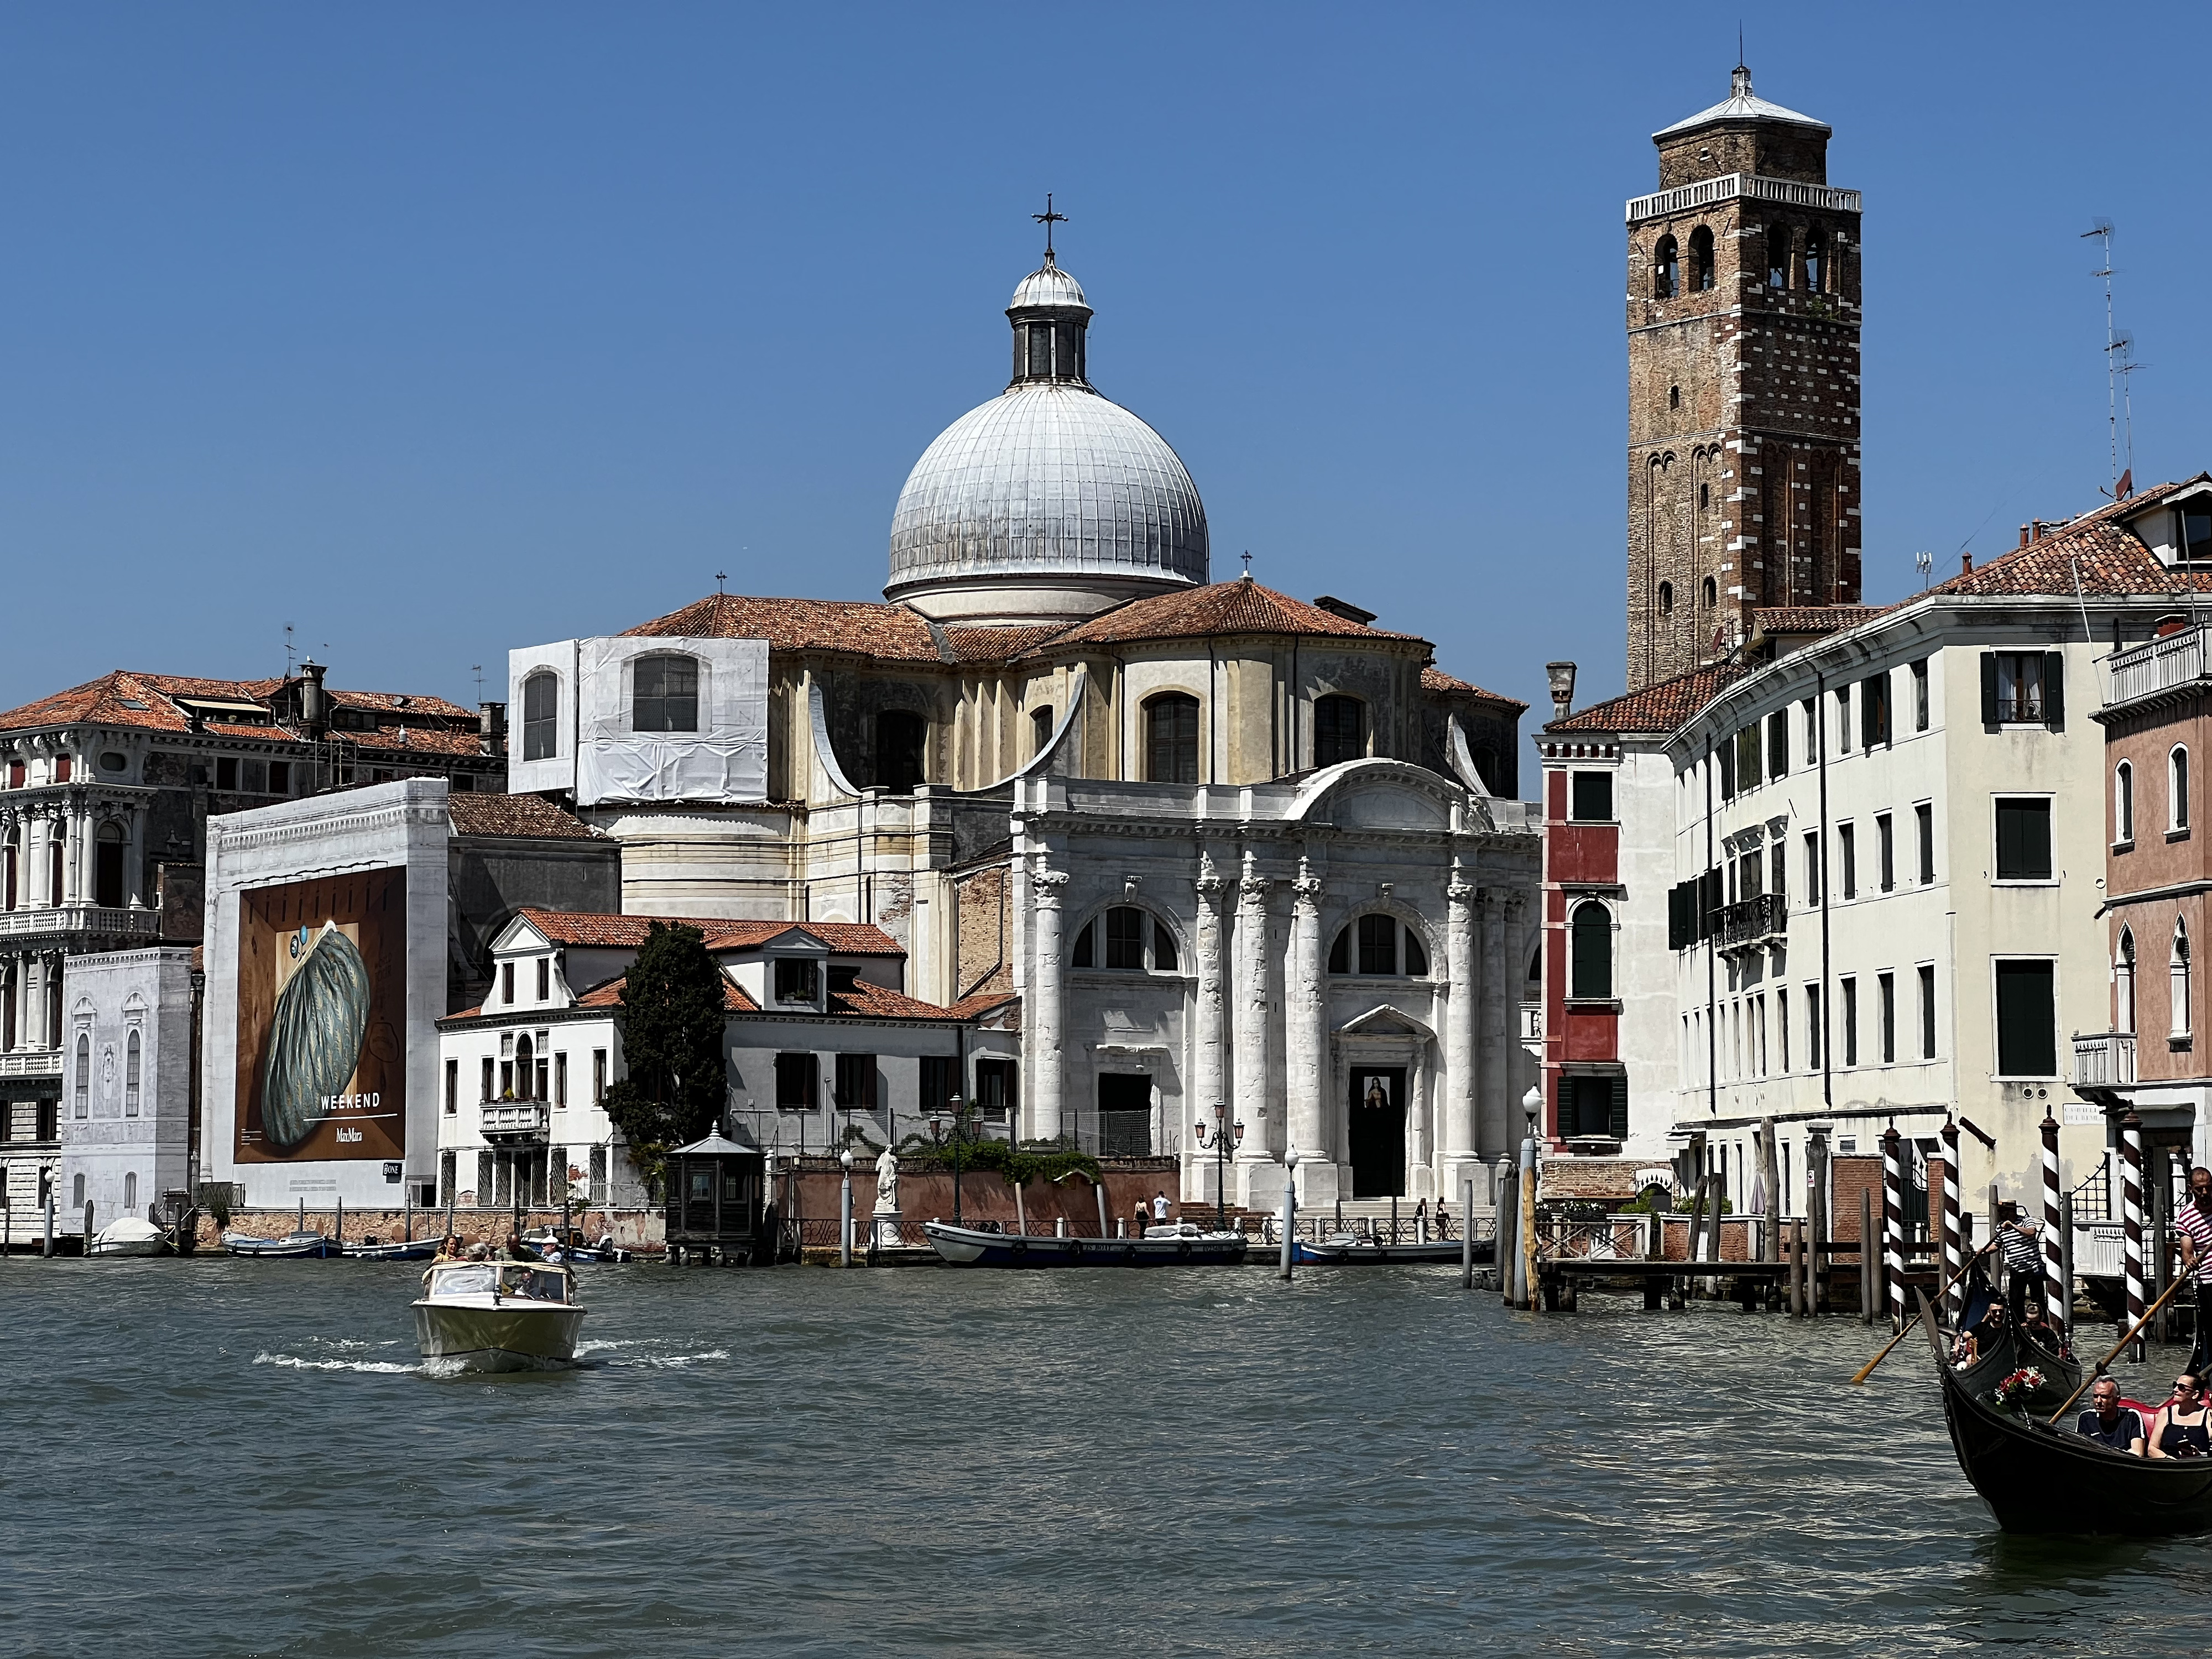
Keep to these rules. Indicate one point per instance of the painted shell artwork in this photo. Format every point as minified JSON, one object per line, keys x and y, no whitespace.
{"x":314,"y":1036}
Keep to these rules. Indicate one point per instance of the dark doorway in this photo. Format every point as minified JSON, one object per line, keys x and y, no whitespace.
{"x":1125,"y":1115}
{"x":107,"y":869}
{"x":1378,"y":1131}
{"x":901,"y":742}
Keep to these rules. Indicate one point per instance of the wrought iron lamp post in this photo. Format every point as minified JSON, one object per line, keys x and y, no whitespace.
{"x":959,"y":1108}
{"x":1226,"y":1135}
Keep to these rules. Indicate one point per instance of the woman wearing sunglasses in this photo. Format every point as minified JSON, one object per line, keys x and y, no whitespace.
{"x":2182,"y":1427}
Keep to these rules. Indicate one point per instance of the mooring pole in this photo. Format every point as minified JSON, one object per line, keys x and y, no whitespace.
{"x":1290,"y":1209}
{"x":341,"y":1223}
{"x":1866,"y":1255}
{"x":1955,"y":1247}
{"x":845,"y":1210}
{"x":1507,"y":1223}
{"x":2132,"y":1214}
{"x":1466,"y":1233}
{"x":1525,"y":1237}
{"x":1893,"y":1225}
{"x":2057,"y":1292}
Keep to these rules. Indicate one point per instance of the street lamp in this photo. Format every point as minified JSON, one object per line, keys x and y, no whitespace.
{"x":1226,"y":1135}
{"x":1532,"y":1103}
{"x":845,"y":1210}
{"x":959,"y":1108}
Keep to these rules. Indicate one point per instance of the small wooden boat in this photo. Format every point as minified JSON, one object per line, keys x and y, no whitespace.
{"x":498,"y":1316}
{"x":1179,"y":1246}
{"x":309,"y":1243}
{"x":130,"y":1237}
{"x":398,"y":1250}
{"x":550,"y":1242}
{"x":2038,"y":1478}
{"x":2008,"y":1349}
{"x":1346,"y":1250}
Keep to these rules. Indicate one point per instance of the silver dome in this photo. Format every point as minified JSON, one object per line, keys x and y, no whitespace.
{"x":1049,"y":478}
{"x":1049,"y":286}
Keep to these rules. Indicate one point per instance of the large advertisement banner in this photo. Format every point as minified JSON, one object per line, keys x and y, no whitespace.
{"x":321,"y":1002}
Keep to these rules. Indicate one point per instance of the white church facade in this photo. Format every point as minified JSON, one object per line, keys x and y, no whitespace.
{"x":1227,"y":848}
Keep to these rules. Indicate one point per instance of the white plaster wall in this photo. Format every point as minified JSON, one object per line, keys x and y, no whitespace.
{"x":109,"y":994}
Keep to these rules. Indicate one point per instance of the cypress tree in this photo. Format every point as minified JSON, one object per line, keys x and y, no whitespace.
{"x":672,"y":1020}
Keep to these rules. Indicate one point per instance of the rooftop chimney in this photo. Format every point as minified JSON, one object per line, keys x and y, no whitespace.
{"x":1965,"y":564}
{"x":314,"y":702}
{"x":1562,"y":677}
{"x":491,"y":727}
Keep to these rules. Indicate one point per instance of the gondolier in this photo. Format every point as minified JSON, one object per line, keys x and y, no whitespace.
{"x":2023,"y":1257}
{"x":2193,"y":1220}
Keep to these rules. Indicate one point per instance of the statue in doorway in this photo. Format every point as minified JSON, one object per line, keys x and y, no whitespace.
{"x":887,"y":1182}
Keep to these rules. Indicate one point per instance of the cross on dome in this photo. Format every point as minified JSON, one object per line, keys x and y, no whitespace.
{"x":1048,"y":219}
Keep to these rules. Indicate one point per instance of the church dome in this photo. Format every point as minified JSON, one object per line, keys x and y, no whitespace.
{"x":1049,"y":502}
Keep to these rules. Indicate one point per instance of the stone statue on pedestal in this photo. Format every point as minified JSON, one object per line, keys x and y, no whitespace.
{"x":887,"y":1182}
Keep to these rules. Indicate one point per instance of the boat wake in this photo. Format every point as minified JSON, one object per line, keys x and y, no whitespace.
{"x":657,"y":1361}
{"x":294,"y":1362}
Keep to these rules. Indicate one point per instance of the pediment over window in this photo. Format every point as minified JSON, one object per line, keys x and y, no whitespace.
{"x":1384,"y":1020}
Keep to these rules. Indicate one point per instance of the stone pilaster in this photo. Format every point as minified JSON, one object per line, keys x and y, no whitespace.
{"x":1305,"y":1005}
{"x":1044,"y":1038}
{"x":1499,"y":1007}
{"x":1259,"y":1175}
{"x":1208,"y":1085}
{"x":1456,"y":1128}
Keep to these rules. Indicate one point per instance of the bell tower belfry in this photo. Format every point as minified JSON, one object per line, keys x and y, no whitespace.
{"x":1743,"y":383}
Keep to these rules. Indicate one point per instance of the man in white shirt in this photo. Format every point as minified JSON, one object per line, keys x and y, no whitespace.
{"x":1159,"y":1206}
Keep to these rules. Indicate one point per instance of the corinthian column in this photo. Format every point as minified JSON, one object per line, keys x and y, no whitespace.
{"x":1045,"y":1041}
{"x":1251,"y":1095}
{"x":1208,"y":1085}
{"x":1302,"y":1017}
{"x":1500,"y":1009}
{"x":1456,"y":1111}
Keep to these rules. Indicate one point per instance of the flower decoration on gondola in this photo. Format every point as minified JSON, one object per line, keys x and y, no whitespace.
{"x":2013,"y":1393}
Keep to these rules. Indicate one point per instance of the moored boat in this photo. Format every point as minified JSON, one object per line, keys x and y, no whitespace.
{"x":130,"y":1237}
{"x":308,"y":1243}
{"x":2037,"y":1477}
{"x":498,"y":1316}
{"x":397,"y":1250}
{"x":1347,"y":1250}
{"x":1183,"y":1245}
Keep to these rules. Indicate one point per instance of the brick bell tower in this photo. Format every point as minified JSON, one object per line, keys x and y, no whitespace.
{"x":1743,"y":383}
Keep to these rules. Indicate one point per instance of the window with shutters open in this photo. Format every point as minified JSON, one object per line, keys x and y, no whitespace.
{"x":2024,"y":688}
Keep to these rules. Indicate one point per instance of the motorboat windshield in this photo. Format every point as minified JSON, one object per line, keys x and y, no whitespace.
{"x":517,"y":1279}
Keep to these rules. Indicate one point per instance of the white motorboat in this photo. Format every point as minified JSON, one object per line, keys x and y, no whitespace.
{"x":498,"y":1316}
{"x":130,"y":1237}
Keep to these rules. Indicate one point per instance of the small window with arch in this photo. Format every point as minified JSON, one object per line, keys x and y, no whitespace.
{"x":2177,"y":791}
{"x":541,"y":712}
{"x":1816,"y":263}
{"x":1379,"y":946}
{"x":1041,"y":723}
{"x":1136,"y":941}
{"x":1778,"y":256}
{"x":1666,"y":598}
{"x":1666,"y":269}
{"x":1701,"y":259}
{"x":1712,"y":593}
{"x":664,"y":695}
{"x":1171,"y":737}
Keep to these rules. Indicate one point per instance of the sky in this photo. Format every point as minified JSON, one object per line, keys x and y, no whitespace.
{"x":437,"y":330}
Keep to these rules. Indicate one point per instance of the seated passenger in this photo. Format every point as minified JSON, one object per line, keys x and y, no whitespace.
{"x":2183,"y":1426}
{"x":2109,"y":1422}
{"x":1975,"y":1338}
{"x":450,"y":1250}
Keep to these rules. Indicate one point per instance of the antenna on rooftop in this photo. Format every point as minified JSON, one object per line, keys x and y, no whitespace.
{"x":2117,"y":367}
{"x":289,"y":652}
{"x":1924,"y":562}
{"x":476,"y":668}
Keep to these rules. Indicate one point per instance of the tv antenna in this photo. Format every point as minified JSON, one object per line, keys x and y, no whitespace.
{"x":1924,"y":562}
{"x":2118,"y":365}
{"x":476,"y":668}
{"x":289,"y":651}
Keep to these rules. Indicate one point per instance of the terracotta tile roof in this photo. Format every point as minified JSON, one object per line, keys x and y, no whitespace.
{"x":149,"y":702}
{"x":874,"y":1002}
{"x":404,"y":703}
{"x":981,"y":1002}
{"x":1661,"y":707}
{"x":2110,"y":559}
{"x":970,"y":644}
{"x":887,"y":631}
{"x":1436,"y":681}
{"x":529,"y":816}
{"x":1242,"y":606}
{"x":1812,"y":619}
{"x":607,"y":993}
{"x":850,"y":938}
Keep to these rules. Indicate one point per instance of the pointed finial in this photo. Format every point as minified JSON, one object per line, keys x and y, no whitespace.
{"x":721,"y":576}
{"x":1247,"y":566}
{"x":1048,"y":219}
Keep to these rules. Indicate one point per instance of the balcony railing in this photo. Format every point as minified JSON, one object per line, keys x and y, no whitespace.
{"x":32,"y":1064}
{"x":99,"y":919}
{"x":1749,"y":920}
{"x":2154,"y":665}
{"x":2106,"y":1061}
{"x":1706,"y":191}
{"x":516,"y":1120}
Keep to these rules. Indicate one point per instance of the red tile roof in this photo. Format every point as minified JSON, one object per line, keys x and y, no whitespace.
{"x":2108,"y":558}
{"x":1435,"y":681}
{"x":982,"y":1002}
{"x":150,"y":702}
{"x":1661,"y":707}
{"x":862,"y":1001}
{"x":608,"y":993}
{"x":849,"y":938}
{"x":891,"y":632}
{"x":529,"y":816}
{"x":1812,"y":619}
{"x":1242,"y":606}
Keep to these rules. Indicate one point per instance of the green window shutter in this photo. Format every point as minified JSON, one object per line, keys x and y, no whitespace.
{"x":1989,"y":688}
{"x":2054,"y":690}
{"x":1619,"y":1126}
{"x":1728,"y":771}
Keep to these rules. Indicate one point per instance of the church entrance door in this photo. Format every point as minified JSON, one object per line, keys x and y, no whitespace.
{"x":1377,"y":1118}
{"x":1125,"y":1115}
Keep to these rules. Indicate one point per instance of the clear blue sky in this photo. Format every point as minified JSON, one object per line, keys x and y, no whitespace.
{"x":439,"y":330}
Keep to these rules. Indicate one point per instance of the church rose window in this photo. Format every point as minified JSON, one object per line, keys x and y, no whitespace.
{"x":1171,"y":738}
{"x":666,"y":694}
{"x":1340,"y":731}
{"x":541,"y":709}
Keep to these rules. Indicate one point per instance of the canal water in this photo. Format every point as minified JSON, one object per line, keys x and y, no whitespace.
{"x":232,"y":1458}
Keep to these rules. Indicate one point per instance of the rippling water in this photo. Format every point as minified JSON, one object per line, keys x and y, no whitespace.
{"x":218,"y":1456}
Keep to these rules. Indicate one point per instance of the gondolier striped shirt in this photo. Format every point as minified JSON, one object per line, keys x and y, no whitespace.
{"x":2194,"y":1222}
{"x":2021,"y":1253}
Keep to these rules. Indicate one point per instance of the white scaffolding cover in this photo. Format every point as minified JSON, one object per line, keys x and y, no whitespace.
{"x":725,"y":761}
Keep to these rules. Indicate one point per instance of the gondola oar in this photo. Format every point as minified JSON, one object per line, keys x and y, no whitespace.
{"x":2092,"y":1378}
{"x":1868,"y":1369}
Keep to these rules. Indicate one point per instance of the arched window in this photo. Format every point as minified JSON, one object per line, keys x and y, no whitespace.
{"x":1041,"y":724}
{"x":8,"y":857}
{"x":81,"y":1092}
{"x":664,"y":695}
{"x":1383,"y":945}
{"x":1589,"y":950}
{"x":1778,"y":256}
{"x":1815,"y":268}
{"x":57,"y":867}
{"x":1136,"y":942}
{"x":2123,"y":802}
{"x":76,"y":1193}
{"x":541,"y":715}
{"x":2124,"y":983}
{"x":1701,"y":260}
{"x":130,"y":1065}
{"x":1666,"y":269}
{"x":1674,"y":396}
{"x":1340,"y":730}
{"x":1712,"y":592}
{"x":901,"y":741}
{"x":2176,"y":789}
{"x":1705,"y":496}
{"x":107,"y":866}
{"x":1666,"y":598}
{"x":525,"y":1065}
{"x":2177,"y":981}
{"x":1171,"y":738}
{"x":130,"y":1191}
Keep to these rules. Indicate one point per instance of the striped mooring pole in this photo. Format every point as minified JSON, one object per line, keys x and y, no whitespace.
{"x":2057,"y":1295}
{"x":1892,"y":1226}
{"x":1954,"y":1249}
{"x":2131,"y":1212}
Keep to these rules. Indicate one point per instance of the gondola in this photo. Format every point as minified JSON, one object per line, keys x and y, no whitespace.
{"x":2010,"y":1349}
{"x":2037,"y":1478}
{"x":1183,"y":1246}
